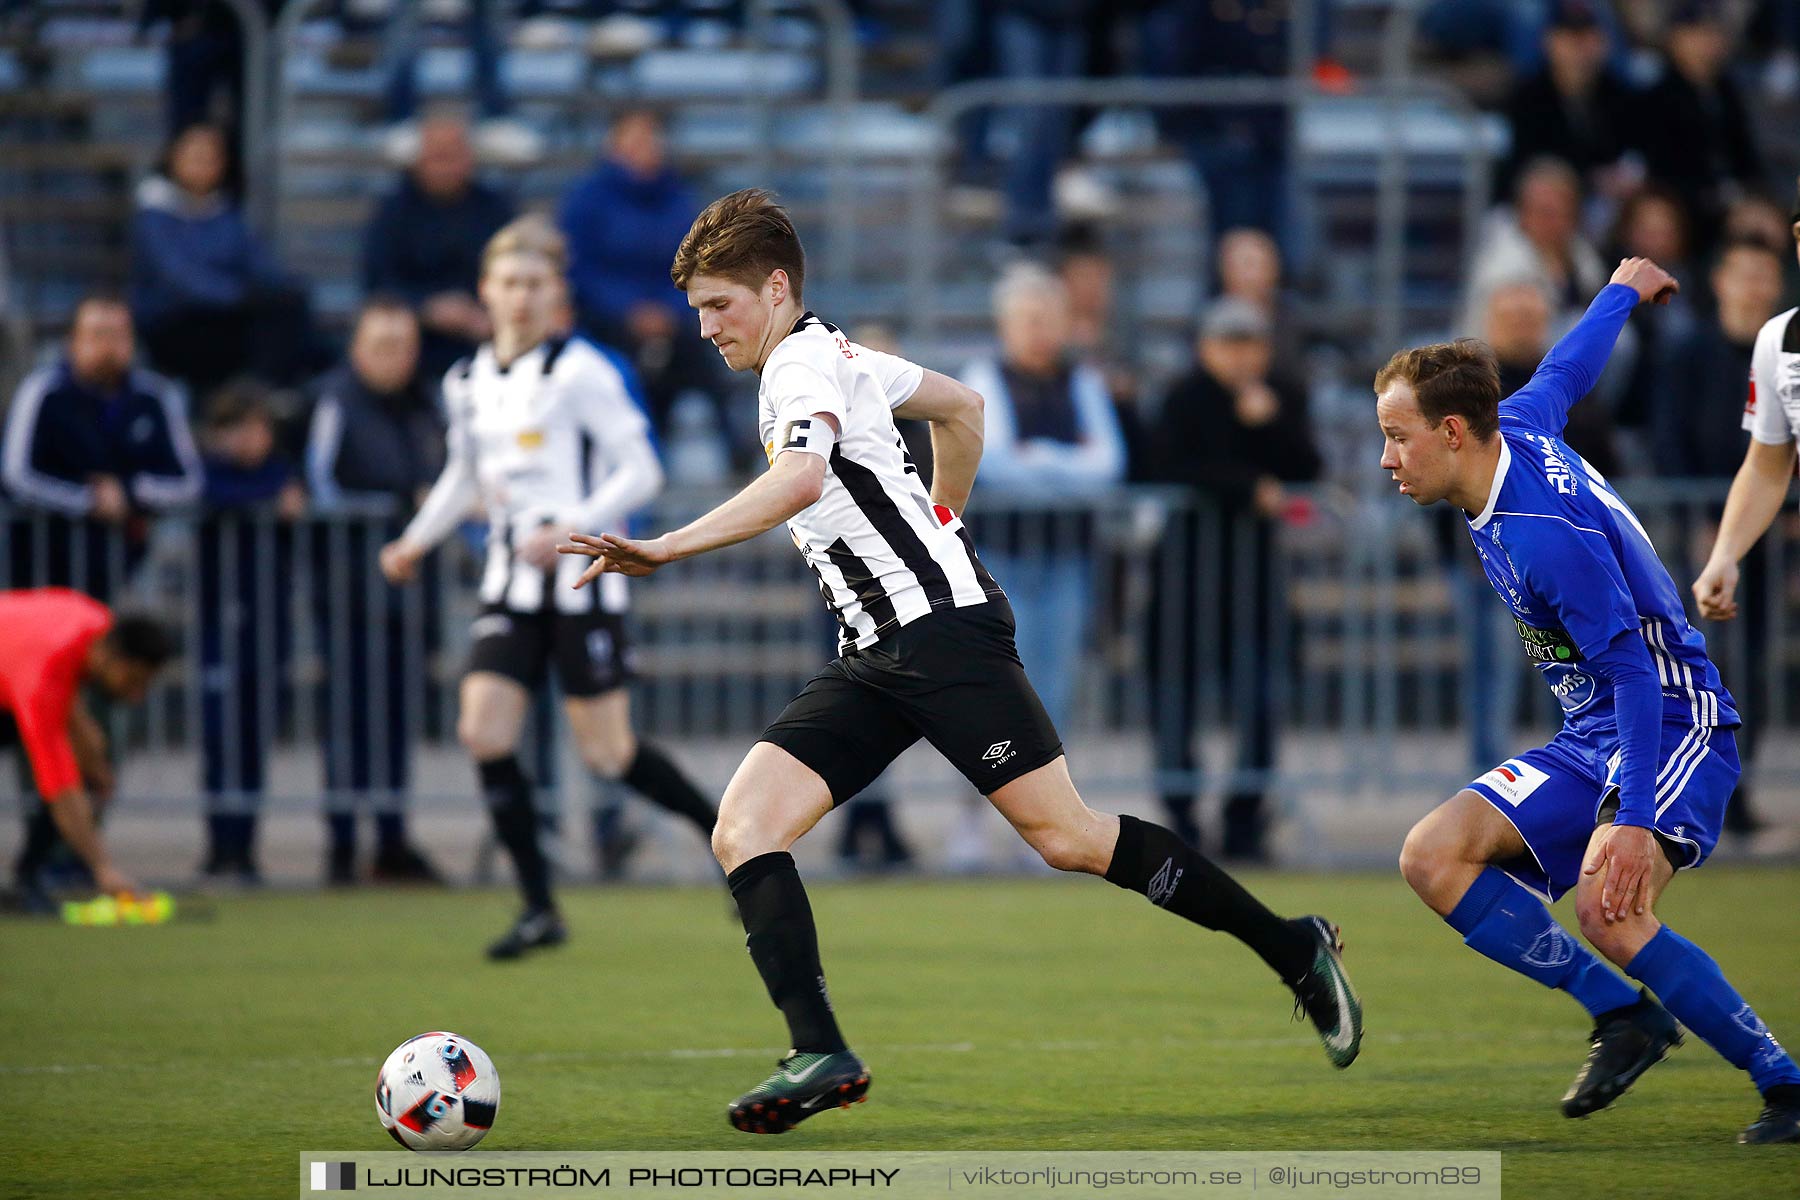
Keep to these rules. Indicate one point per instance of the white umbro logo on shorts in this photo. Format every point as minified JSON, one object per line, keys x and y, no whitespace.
{"x":996,"y":750}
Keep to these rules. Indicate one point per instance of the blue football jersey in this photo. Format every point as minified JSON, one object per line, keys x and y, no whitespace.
{"x":1570,"y":558}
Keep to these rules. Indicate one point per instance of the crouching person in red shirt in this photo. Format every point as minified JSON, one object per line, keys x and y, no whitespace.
{"x":52,"y":642}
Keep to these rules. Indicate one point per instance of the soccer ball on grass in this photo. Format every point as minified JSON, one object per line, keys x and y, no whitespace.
{"x":437,"y":1091}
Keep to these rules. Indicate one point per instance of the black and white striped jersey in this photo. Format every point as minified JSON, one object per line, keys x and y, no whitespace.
{"x":883,"y":553}
{"x":1772,"y":414}
{"x":553,"y":438}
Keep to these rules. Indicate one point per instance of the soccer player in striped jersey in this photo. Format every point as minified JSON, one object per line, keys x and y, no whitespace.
{"x":926,"y":640}
{"x":1634,"y":786}
{"x":544,"y":431}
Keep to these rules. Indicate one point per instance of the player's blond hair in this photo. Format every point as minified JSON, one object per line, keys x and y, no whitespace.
{"x":1460,"y":378}
{"x":531,"y":234}
{"x":744,"y":237}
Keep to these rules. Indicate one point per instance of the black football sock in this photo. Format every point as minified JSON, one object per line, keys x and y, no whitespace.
{"x":659,"y":780}
{"x":783,"y":942}
{"x":40,"y":843}
{"x":1155,"y":863}
{"x":508,"y":795}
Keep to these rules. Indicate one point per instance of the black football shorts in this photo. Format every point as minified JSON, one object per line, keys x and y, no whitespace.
{"x":951,"y":677}
{"x":589,"y":649}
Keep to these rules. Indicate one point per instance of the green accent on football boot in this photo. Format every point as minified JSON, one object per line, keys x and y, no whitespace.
{"x":1325,"y":995}
{"x":803,"y":1084}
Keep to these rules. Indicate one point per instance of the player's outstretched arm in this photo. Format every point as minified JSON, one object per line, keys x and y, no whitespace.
{"x":1574,"y":364}
{"x":1756,"y":497}
{"x":73,"y":815}
{"x":444,"y":506}
{"x":791,"y":485}
{"x":955,"y":412}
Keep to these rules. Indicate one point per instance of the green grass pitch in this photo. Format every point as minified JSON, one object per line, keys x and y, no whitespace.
{"x":197,"y":1060}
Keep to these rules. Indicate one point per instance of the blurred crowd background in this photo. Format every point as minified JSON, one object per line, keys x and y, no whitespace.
{"x":1168,"y":241}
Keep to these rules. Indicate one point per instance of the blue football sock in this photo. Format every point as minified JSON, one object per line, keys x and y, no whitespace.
{"x":1691,"y":986}
{"x":1499,"y":919}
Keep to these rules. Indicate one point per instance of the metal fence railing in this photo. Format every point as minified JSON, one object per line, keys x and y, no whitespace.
{"x":1340,"y":649}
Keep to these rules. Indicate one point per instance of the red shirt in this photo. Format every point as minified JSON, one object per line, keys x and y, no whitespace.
{"x":45,"y":634}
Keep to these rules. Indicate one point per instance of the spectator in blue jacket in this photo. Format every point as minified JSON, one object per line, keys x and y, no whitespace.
{"x":246,"y":550}
{"x":624,"y":221}
{"x":209,"y":299}
{"x":94,"y":444}
{"x":374,"y":445}
{"x":424,"y":242}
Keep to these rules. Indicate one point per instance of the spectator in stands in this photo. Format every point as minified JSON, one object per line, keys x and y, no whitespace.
{"x":1652,"y":223}
{"x":1697,"y":410}
{"x":1491,"y":672}
{"x":1249,"y":267}
{"x":424,"y":242}
{"x":246,"y":559}
{"x":1539,"y":240}
{"x":1759,"y":219}
{"x":1485,"y":45}
{"x":624,"y":220}
{"x":500,"y":138}
{"x":374,"y":447}
{"x":1696,"y":132}
{"x":1051,"y":436}
{"x":204,"y":72}
{"x":1236,"y":435}
{"x":1518,"y":330}
{"x":1575,"y":108}
{"x":209,"y":300}
{"x":1241,"y":152}
{"x":1048,"y":42}
{"x":94,"y":444}
{"x":1087,"y":273}
{"x":1700,"y":380}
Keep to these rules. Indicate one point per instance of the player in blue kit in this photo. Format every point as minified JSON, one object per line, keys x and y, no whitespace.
{"x":1633,"y":788}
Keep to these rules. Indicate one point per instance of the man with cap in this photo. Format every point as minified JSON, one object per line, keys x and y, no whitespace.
{"x":1236,"y":436}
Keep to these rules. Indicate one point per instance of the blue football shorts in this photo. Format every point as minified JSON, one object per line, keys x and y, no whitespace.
{"x":1556,"y":794}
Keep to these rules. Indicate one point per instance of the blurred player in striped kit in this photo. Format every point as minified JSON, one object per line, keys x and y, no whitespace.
{"x":544,"y":430}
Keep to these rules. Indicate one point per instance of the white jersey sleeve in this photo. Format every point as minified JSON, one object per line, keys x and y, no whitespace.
{"x":457,"y":486}
{"x":1766,"y":411}
{"x":629,"y":473}
{"x":799,"y":392}
{"x":899,"y":378}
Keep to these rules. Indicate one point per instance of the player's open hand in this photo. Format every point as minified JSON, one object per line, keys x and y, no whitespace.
{"x":1716,"y":591}
{"x":1627,"y":853}
{"x":1652,"y":284}
{"x":399,"y":562}
{"x":611,"y":552}
{"x":111,"y":881}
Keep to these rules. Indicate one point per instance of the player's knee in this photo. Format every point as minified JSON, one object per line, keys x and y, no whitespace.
{"x":481,"y":741}
{"x":1616,"y":941}
{"x":1590,"y":918}
{"x":1423,"y":858}
{"x":736,"y":841}
{"x":1063,"y":849}
{"x":608,"y":759}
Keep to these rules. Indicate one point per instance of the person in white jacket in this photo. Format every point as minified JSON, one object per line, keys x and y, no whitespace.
{"x":1052,"y":437}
